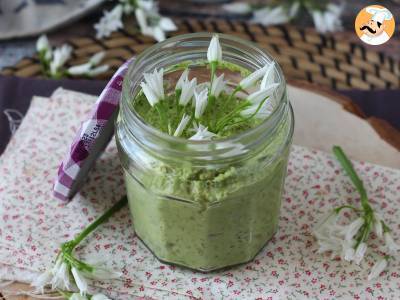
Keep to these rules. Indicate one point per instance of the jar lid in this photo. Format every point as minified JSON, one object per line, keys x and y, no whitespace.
{"x":91,"y":139}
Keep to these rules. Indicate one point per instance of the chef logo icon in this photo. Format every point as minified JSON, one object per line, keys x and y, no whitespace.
{"x":375,"y":25}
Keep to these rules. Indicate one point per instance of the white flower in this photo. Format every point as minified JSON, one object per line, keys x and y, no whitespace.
{"x":201,"y":102}
{"x":77,"y":296}
{"x":294,"y":9}
{"x":152,"y":24}
{"x":329,"y":20}
{"x":184,"y":77}
{"x":360,"y":252}
{"x":237,"y":7}
{"x":97,"y":58}
{"x":202,"y":134}
{"x":60,"y":57}
{"x":261,"y":95}
{"x":377,"y":269}
{"x":351,"y":230}
{"x":182,"y":125}
{"x":153,"y":88}
{"x":148,"y":5}
{"x":60,"y":273}
{"x":218,"y":85}
{"x":42,"y":44}
{"x":79,"y":69}
{"x":253,"y":77}
{"x":42,"y":280}
{"x":214,"y":52}
{"x":80,"y":281}
{"x":98,"y":70}
{"x":390,"y":243}
{"x":348,"y":251}
{"x":100,"y":297}
{"x":378,"y":228}
{"x":110,"y":22}
{"x":269,"y":77}
{"x":271,"y":16}
{"x":188,"y":88}
{"x":264,"y":111}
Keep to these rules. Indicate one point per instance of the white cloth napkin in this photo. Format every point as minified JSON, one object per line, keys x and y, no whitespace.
{"x":33,"y":224}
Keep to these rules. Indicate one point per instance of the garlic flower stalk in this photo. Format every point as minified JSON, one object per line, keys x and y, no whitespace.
{"x":350,"y":241}
{"x":69,"y":273}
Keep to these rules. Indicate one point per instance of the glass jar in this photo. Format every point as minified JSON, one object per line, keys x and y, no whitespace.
{"x":204,"y":204}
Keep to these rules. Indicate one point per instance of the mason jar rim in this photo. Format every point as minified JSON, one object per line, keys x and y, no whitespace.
{"x":265,"y":128}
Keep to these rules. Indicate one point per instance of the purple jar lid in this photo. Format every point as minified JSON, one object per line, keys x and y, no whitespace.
{"x":91,"y":139}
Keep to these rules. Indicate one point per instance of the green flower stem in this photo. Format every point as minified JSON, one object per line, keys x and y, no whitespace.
{"x":348,"y":167}
{"x":237,"y":89}
{"x":100,"y":220}
{"x":230,"y":116}
{"x":160,"y":109}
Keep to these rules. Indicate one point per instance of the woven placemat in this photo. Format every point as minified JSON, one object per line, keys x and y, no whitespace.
{"x":303,"y":54}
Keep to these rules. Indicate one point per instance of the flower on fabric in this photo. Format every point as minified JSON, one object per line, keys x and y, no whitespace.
{"x":390,"y":243}
{"x":352,"y":229}
{"x":182,"y":125}
{"x":153,"y":87}
{"x":202,"y":133}
{"x":60,"y":57}
{"x":201,"y":100}
{"x":110,"y":22}
{"x":60,"y":274}
{"x":90,"y":68}
{"x":80,"y":281}
{"x":214,"y":52}
{"x":378,"y":228}
{"x":328,"y":20}
{"x":218,"y":85}
{"x":360,"y":252}
{"x":237,"y":7}
{"x":377,"y":269}
{"x":78,"y":296}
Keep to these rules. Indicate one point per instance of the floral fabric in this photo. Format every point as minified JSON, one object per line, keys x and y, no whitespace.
{"x":33,"y":223}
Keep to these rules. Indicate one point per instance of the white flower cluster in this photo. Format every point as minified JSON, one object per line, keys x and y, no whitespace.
{"x":201,"y":95}
{"x":151,"y":23}
{"x":349,"y":241}
{"x":53,"y":61}
{"x":68,"y":273}
{"x":327,"y":20}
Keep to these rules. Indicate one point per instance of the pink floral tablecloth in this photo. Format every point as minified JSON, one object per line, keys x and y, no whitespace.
{"x":33,"y":224}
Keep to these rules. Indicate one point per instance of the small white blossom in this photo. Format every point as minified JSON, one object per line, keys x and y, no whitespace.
{"x":182,"y":125}
{"x":269,"y":77}
{"x":218,"y":85}
{"x":202,"y":134}
{"x":42,"y":280}
{"x":264,"y":111}
{"x":77,"y":296}
{"x":237,"y":7}
{"x":329,"y":20}
{"x":42,"y":44}
{"x":352,"y":229}
{"x":271,"y":16}
{"x":110,"y":22}
{"x":80,"y":281}
{"x":79,"y":69}
{"x":60,"y":57}
{"x":253,"y":77}
{"x":261,"y":95}
{"x":184,"y":77}
{"x":214,"y":52}
{"x":390,"y":243}
{"x":360,"y":252}
{"x":348,"y":251}
{"x":377,"y":269}
{"x":61,"y":278}
{"x":97,"y":58}
{"x":188,"y":89}
{"x":201,"y":102}
{"x":100,"y":297}
{"x":153,"y":87}
{"x":378,"y":228}
{"x":98,"y":70}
